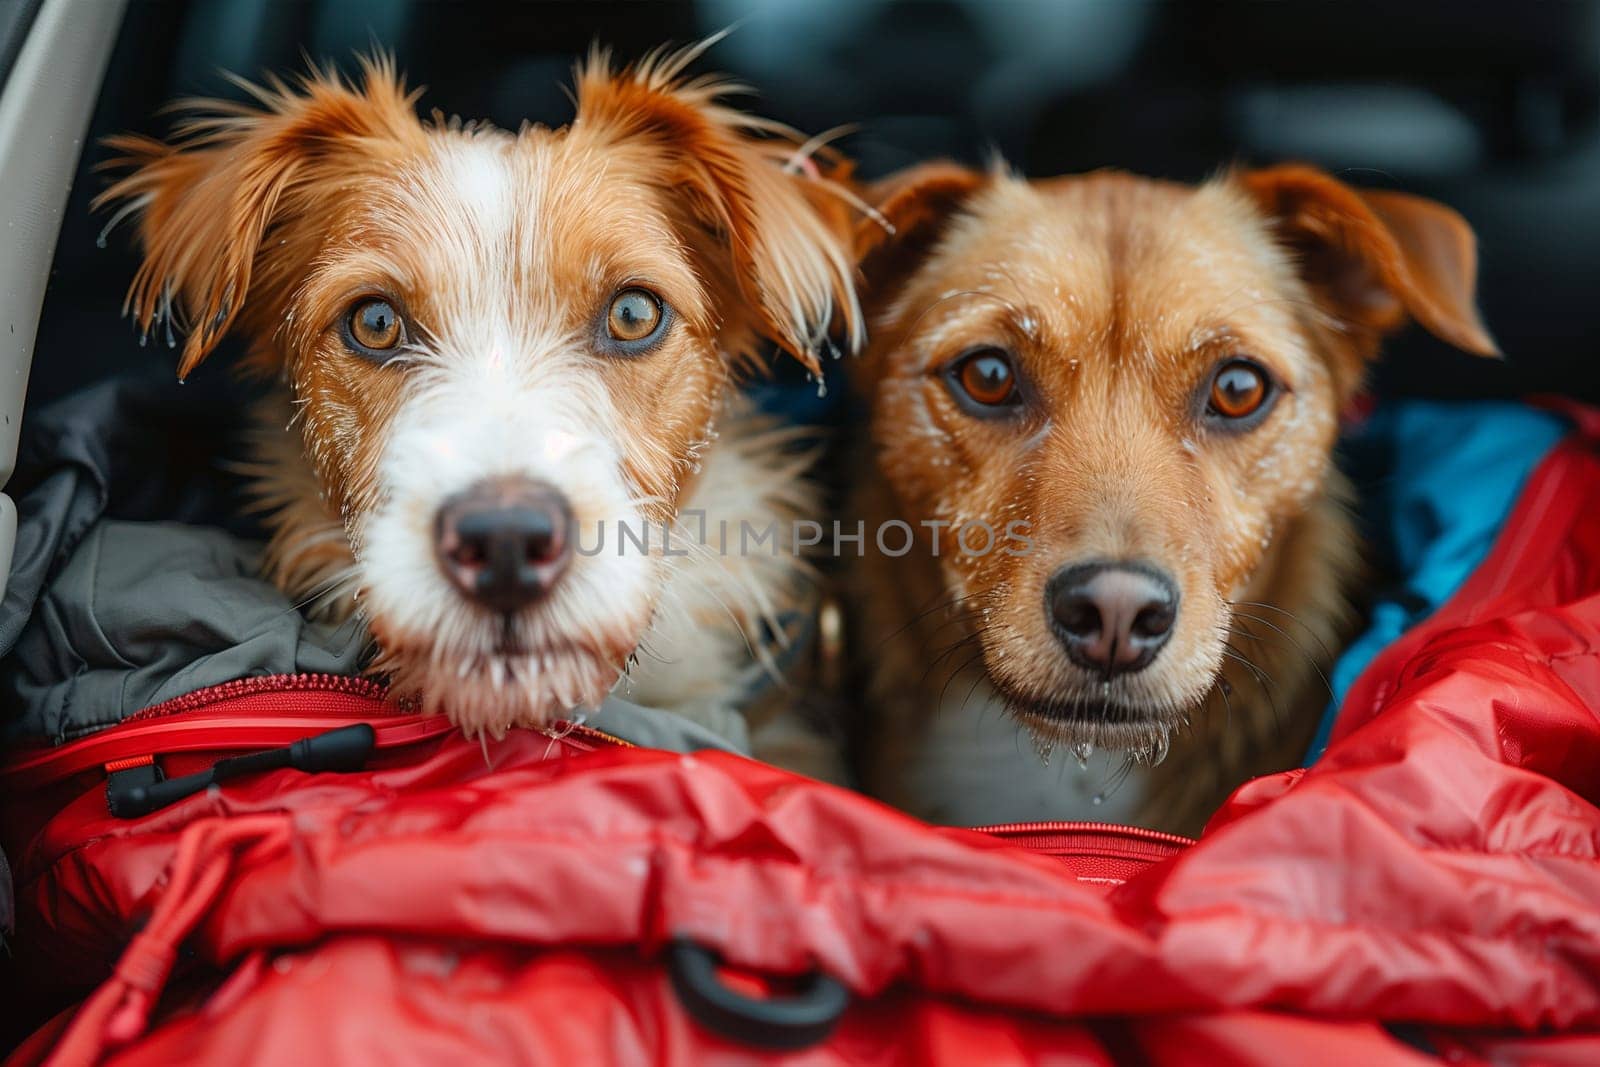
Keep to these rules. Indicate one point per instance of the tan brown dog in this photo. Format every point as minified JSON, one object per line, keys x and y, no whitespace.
{"x":1128,"y":390}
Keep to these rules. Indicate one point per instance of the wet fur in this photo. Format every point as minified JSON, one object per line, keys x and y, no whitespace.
{"x":1118,"y":294}
{"x":503,"y":249}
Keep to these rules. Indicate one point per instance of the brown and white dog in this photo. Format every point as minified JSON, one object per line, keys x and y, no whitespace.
{"x":496,"y":347}
{"x":1142,"y":382}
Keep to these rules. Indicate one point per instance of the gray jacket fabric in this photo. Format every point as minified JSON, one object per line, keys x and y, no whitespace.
{"x":145,"y":611}
{"x":95,"y":470}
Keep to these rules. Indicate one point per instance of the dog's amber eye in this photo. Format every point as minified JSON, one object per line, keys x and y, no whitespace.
{"x":1238,"y":389}
{"x":984,"y":378}
{"x":635,"y":314}
{"x":374,"y":325}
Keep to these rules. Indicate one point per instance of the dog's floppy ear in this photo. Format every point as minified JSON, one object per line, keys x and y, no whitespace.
{"x":206,"y":198}
{"x":1375,"y":257}
{"x":911,"y":208}
{"x":744,"y":179}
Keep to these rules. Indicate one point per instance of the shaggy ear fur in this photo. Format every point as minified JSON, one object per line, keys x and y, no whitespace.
{"x":206,"y":198}
{"x":911,"y":202}
{"x":1373,"y":258}
{"x":912,"y":208}
{"x":744,"y":178}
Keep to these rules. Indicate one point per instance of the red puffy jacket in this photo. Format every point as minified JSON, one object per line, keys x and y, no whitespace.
{"x":1430,"y":886}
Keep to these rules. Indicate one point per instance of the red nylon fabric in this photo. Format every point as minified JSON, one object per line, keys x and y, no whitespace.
{"x":1434,"y":874}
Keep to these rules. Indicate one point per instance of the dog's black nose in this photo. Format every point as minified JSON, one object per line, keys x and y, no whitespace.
{"x":504,"y":541}
{"x":1112,"y":617}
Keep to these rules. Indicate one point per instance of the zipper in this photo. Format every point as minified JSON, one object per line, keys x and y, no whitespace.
{"x":271,"y":683}
{"x":242,"y":715}
{"x":1029,"y":829}
{"x":1101,"y":854}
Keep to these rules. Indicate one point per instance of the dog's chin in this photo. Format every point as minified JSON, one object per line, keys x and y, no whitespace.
{"x":487,"y":692}
{"x":1088,"y":723}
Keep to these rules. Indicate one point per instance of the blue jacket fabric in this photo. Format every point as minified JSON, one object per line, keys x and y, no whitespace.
{"x":1435,"y":483}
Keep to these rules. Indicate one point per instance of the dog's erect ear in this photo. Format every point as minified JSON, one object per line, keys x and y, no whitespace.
{"x":912,"y":208}
{"x":206,"y":198}
{"x":1375,"y":257}
{"x":745,"y":179}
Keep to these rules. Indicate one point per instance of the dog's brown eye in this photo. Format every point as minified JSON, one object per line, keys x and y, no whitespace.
{"x":635,"y":314}
{"x":984,"y":378}
{"x":1238,"y":390}
{"x":374,"y":325}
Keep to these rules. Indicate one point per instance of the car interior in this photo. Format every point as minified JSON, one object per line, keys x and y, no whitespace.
{"x":1498,"y":117}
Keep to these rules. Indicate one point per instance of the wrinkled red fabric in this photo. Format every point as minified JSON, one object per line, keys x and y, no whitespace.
{"x":1431,"y":884}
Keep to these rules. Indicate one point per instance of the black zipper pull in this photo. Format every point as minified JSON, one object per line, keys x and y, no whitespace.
{"x":138,"y":791}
